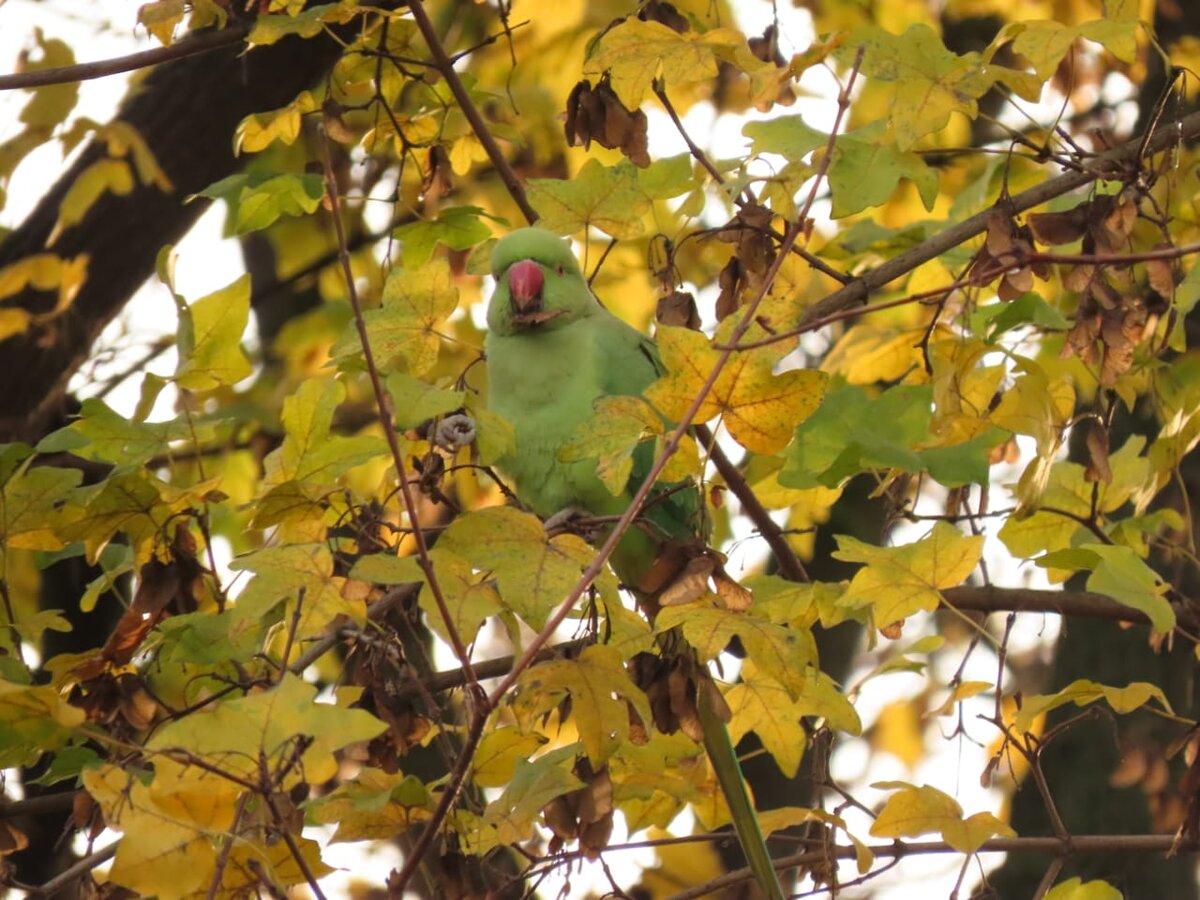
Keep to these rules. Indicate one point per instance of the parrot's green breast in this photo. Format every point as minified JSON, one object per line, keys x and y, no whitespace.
{"x":544,"y":381}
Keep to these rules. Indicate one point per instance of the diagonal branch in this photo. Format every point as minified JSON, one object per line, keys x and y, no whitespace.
{"x":446,"y":66}
{"x":1102,"y":166}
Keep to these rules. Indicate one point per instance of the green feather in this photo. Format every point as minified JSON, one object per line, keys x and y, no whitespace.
{"x":544,"y":374}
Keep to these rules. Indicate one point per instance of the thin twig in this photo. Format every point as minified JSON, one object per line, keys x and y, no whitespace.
{"x":78,"y":870}
{"x":214,"y":886}
{"x":1051,"y":876}
{"x":389,"y":429}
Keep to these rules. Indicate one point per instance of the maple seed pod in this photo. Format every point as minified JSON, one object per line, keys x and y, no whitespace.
{"x":597,"y":114}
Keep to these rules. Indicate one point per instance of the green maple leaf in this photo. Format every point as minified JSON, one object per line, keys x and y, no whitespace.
{"x":34,"y":719}
{"x":784,"y":654}
{"x":282,"y":574}
{"x":373,"y":806}
{"x":534,"y":572}
{"x":416,"y":401}
{"x":636,"y":52}
{"x":470,"y":597}
{"x":866,"y":168}
{"x":534,"y":784}
{"x":32,"y":511}
{"x":210,"y":336}
{"x":760,"y":409}
{"x":458,"y":227}
{"x":309,"y":452}
{"x":1118,"y":572}
{"x":234,"y":735}
{"x":611,"y":436}
{"x":843,"y":438}
{"x":284,"y":195}
{"x":930,"y":81}
{"x":133,"y":502}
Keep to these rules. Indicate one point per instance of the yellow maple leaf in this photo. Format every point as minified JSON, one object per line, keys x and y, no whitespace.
{"x":896,"y":582}
{"x":760,"y":409}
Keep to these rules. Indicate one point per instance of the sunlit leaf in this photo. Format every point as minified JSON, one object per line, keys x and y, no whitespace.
{"x":759,"y":408}
{"x":896,"y":582}
{"x":912,"y":811}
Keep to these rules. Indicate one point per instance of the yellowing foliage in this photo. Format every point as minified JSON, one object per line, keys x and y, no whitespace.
{"x":946,"y":379}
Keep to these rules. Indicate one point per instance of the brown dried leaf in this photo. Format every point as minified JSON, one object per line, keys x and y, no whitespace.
{"x":1161,"y":275}
{"x":682,"y":691}
{"x":1077,"y":278}
{"x":1118,"y":223}
{"x":734,"y":597}
{"x":678,"y":308}
{"x":1000,"y":234}
{"x":597,"y":114}
{"x":638,"y":733}
{"x":136,"y":705}
{"x":12,"y":839}
{"x":1118,"y":347}
{"x":1015,"y":283}
{"x":176,"y":583}
{"x":335,"y":125}
{"x":729,"y":282}
{"x":690,"y":584}
{"x":1053,"y":229}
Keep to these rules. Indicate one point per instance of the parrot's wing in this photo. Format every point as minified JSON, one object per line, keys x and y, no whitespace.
{"x":674,"y":507}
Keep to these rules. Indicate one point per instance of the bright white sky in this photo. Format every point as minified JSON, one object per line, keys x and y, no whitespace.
{"x":99,"y":29}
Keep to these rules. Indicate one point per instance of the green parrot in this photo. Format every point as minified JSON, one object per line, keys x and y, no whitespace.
{"x":552,"y":351}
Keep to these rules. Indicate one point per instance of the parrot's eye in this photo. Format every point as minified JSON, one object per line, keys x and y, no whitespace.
{"x":559,"y":268}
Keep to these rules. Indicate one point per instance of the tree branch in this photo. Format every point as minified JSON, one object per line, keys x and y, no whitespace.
{"x":790,"y":565}
{"x":1102,"y":166}
{"x":52,"y":887}
{"x":1083,"y":604}
{"x":972,"y":599}
{"x":201,"y":42}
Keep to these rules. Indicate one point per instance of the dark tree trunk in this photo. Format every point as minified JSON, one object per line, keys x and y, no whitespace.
{"x":187,"y":111}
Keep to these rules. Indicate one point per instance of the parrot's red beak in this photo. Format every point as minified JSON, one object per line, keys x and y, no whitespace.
{"x":525,"y":281}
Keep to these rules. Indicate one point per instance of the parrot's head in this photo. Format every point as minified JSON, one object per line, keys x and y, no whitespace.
{"x":538,"y":283}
